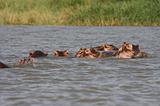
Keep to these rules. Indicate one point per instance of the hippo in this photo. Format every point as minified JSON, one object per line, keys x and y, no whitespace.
{"x":141,"y":54}
{"x":58,"y":53}
{"x":2,"y":65}
{"x":128,"y":50}
{"x":106,"y":47}
{"x":88,"y":53}
{"x":92,"y":53}
{"x":26,"y":60}
{"x":37,"y":53}
{"x":81,"y":53}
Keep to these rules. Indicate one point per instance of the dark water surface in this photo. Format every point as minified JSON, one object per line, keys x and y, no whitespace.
{"x":78,"y":82}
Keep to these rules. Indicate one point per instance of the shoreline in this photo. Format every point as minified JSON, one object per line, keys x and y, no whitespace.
{"x":63,"y":26}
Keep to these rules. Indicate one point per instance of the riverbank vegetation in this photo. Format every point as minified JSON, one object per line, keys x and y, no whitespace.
{"x":80,"y":12}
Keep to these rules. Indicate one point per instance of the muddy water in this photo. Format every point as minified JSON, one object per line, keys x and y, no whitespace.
{"x":78,"y":82}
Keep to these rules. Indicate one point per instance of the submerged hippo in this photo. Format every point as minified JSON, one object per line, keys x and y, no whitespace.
{"x":2,"y":65}
{"x":58,"y":53}
{"x":87,"y":53}
{"x":37,"y":53}
{"x":26,"y":60}
{"x":106,"y":47}
{"x":92,"y":53}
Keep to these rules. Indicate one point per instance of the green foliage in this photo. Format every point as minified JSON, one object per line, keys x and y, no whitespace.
{"x":80,"y":12}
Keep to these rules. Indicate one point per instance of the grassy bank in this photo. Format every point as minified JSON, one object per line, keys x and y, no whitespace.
{"x":80,"y":12}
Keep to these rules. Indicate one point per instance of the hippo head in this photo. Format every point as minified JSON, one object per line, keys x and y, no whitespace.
{"x":26,"y":60}
{"x":37,"y":53}
{"x":129,"y":47}
{"x":81,"y":53}
{"x":91,"y":53}
{"x":58,"y":53}
{"x":2,"y":65}
{"x":128,"y":50}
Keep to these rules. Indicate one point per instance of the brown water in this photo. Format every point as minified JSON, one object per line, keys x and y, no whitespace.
{"x":78,"y":82}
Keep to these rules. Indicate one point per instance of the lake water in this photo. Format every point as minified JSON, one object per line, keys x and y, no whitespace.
{"x":78,"y":82}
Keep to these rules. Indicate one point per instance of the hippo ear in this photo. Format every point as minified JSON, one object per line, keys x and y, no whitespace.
{"x":124,"y":42}
{"x":122,"y":48}
{"x":31,"y":55}
{"x":81,"y":48}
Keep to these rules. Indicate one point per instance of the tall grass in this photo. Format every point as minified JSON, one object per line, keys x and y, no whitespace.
{"x":80,"y":12}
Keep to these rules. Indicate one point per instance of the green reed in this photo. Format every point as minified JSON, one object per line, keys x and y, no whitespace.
{"x":80,"y":12}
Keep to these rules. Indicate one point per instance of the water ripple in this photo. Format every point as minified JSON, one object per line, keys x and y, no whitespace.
{"x":76,"y":82}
